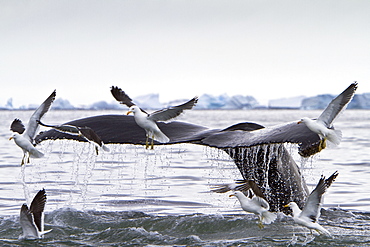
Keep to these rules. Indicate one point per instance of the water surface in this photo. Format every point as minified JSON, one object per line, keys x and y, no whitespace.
{"x":161,"y":197}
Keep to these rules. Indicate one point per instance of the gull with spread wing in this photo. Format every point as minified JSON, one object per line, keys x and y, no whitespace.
{"x":323,"y":124}
{"x":24,"y":137}
{"x":85,"y":132}
{"x":148,"y":121}
{"x":254,"y":203}
{"x":310,"y":214}
{"x":32,"y":218}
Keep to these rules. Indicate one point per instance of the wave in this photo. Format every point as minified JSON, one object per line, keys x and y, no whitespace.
{"x":133,"y":228}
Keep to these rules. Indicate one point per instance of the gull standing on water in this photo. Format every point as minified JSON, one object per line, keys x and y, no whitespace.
{"x":256,"y":204}
{"x":23,"y":137}
{"x":310,"y":214}
{"x":323,"y":124}
{"x":148,"y":121}
{"x":32,"y":219}
{"x":85,"y":132}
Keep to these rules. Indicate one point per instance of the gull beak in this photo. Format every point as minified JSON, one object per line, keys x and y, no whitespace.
{"x":10,"y":138}
{"x":286,"y":206}
{"x":299,"y":122}
{"x":128,"y":112}
{"x":231,"y":195}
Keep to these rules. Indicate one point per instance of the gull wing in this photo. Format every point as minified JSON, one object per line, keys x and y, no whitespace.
{"x":37,"y":209}
{"x":240,"y":185}
{"x":90,"y":134}
{"x":33,"y":125}
{"x":256,"y":190}
{"x":172,"y":112}
{"x":27,"y":222}
{"x":122,"y":97}
{"x":262,"y":202}
{"x":64,"y":128}
{"x":313,"y":204}
{"x":337,"y":105}
{"x":17,"y":126}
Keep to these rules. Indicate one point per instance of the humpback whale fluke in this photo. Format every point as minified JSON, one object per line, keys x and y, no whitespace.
{"x":281,"y":174}
{"x":148,"y":121}
{"x":258,"y":152}
{"x":24,"y":137}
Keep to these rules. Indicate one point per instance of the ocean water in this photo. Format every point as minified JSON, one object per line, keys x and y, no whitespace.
{"x":161,"y":197}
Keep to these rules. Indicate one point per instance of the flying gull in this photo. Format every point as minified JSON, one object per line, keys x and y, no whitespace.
{"x":148,"y":121}
{"x":32,"y":219}
{"x":323,"y":124}
{"x":252,"y":202}
{"x":23,"y":137}
{"x":310,"y":214}
{"x":310,"y":136}
{"x":85,"y":132}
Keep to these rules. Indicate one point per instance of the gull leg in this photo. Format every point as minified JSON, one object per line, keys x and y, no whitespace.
{"x":96,"y":150}
{"x":23,"y":159}
{"x":323,"y":144}
{"x":152,"y":146}
{"x":147,"y":142}
{"x":260,"y":224}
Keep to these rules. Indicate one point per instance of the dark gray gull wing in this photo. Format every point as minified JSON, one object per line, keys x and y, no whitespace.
{"x":91,"y":135}
{"x":37,"y":209}
{"x":239,"y":185}
{"x":27,"y":222}
{"x":17,"y":126}
{"x":122,"y":97}
{"x":256,"y":190}
{"x":313,"y":203}
{"x":33,"y":125}
{"x":337,"y":105}
{"x":172,"y":112}
{"x":65,"y":128}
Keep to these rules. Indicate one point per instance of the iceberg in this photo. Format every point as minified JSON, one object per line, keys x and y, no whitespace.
{"x":225,"y":102}
{"x":286,"y":103}
{"x":149,"y":101}
{"x":62,"y":104}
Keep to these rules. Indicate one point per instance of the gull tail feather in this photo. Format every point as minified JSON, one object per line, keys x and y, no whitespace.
{"x":34,"y":153}
{"x":335,"y":137}
{"x":105,"y":148}
{"x":44,"y":232}
{"x":322,"y":230}
{"x":268,"y":217}
{"x":159,"y":136}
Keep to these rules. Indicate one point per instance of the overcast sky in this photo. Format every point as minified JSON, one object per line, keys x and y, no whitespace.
{"x":181,"y":48}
